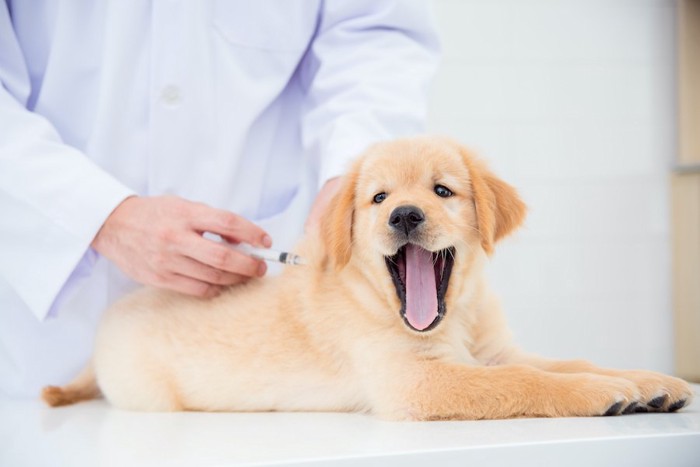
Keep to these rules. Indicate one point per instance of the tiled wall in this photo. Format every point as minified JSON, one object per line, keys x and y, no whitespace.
{"x":573,"y":102}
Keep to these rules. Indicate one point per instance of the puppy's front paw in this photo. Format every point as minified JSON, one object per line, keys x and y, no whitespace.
{"x":593,"y":395}
{"x":659,"y":392}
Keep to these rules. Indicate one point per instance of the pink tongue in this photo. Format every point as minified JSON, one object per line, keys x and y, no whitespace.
{"x":421,"y":292}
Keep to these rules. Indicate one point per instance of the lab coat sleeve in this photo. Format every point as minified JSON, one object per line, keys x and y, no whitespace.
{"x":366,"y":75}
{"x":53,"y":199}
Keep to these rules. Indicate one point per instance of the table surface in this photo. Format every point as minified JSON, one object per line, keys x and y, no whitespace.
{"x":93,"y":433}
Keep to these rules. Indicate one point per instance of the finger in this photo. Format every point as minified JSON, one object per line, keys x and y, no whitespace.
{"x":189,"y":267}
{"x":189,"y":286}
{"x":219,"y":256}
{"x":229,"y":225}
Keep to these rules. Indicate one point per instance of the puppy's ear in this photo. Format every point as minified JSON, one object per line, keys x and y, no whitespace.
{"x":499,"y":209}
{"x":336,"y":225}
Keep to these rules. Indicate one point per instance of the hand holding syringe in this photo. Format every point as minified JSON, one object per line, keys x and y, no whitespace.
{"x":265,"y":254}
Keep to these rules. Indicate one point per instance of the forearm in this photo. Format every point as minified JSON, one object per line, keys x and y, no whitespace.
{"x":367,"y":75}
{"x":53,"y":200}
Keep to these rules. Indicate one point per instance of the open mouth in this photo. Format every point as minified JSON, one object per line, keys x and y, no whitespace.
{"x":421,"y":278}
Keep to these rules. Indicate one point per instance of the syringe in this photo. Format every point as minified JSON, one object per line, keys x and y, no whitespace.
{"x":266,"y":254}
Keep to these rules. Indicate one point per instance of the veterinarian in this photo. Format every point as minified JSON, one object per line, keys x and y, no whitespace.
{"x":238,"y":111}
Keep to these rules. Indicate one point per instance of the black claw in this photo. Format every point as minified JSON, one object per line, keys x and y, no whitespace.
{"x":677,"y":405}
{"x":630,"y":408}
{"x":641,"y":409}
{"x":614,"y":409}
{"x":658,"y":402}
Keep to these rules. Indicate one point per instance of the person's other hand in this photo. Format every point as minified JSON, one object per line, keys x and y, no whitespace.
{"x":323,"y":199}
{"x":158,"y":241}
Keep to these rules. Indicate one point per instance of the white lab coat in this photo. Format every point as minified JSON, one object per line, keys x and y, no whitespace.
{"x":244,"y":105}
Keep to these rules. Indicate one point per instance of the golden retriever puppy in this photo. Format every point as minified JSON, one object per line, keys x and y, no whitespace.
{"x":391,"y":316}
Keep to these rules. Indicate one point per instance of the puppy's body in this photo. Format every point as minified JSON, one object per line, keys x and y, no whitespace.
{"x":173,"y":351}
{"x":344,"y":333}
{"x":292,"y":342}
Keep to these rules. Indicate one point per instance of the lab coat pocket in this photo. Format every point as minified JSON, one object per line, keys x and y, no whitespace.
{"x":269,"y":25}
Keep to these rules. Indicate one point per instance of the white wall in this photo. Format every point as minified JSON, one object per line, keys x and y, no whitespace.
{"x":573,"y":102}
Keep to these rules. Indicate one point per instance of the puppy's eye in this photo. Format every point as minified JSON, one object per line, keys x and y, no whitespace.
{"x":442,"y":191}
{"x":379,"y":197}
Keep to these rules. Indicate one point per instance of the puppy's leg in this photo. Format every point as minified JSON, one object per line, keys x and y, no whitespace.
{"x":658,"y":392}
{"x":434,"y":390}
{"x":145,"y":390}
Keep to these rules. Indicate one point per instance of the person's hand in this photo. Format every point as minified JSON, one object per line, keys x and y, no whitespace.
{"x":323,"y":199}
{"x":158,"y":241}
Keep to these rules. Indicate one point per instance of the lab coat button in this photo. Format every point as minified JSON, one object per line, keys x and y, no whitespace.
{"x":171,"y":96}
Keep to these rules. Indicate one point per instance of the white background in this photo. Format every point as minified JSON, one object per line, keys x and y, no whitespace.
{"x":574,"y":103}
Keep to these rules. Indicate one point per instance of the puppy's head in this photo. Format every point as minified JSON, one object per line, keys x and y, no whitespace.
{"x":414,"y":213}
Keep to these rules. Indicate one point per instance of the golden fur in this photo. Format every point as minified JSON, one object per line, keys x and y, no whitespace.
{"x":328,"y":336}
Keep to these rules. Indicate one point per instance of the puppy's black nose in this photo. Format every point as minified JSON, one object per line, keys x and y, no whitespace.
{"x":406,"y":218}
